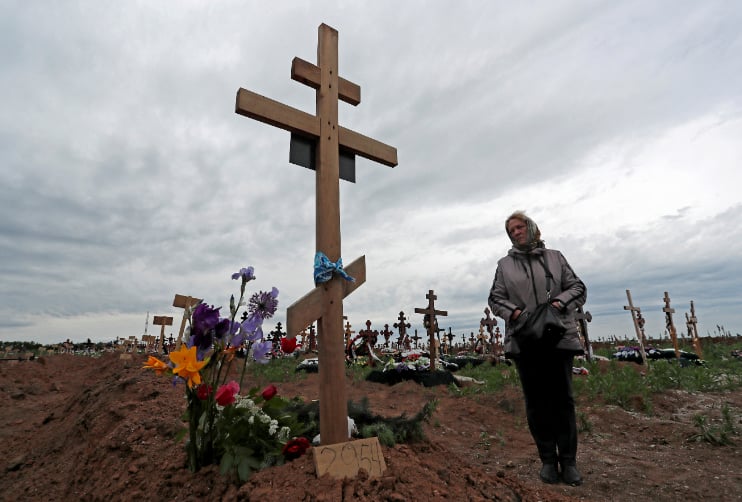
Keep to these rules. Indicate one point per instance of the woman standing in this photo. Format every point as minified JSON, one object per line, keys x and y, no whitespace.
{"x":520,"y":285}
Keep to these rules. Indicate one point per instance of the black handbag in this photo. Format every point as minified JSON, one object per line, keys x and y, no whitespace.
{"x":543,"y":328}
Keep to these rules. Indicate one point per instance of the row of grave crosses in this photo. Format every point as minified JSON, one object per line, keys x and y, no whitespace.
{"x":691,"y":323}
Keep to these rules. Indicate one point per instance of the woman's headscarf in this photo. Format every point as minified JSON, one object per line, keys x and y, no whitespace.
{"x":534,"y":234}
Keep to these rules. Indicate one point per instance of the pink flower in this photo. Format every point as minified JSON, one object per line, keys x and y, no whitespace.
{"x":269,"y":392}
{"x":225,"y":394}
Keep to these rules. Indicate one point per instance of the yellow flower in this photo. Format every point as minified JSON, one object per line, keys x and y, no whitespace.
{"x":187,"y":366}
{"x":155,"y":364}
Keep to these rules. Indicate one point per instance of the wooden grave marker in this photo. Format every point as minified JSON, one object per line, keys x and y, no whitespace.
{"x":322,"y":131}
{"x":187,"y":303}
{"x":693,"y":330}
{"x":639,"y":336}
{"x":582,"y":319}
{"x":162,"y":321}
{"x":432,"y":325}
{"x":671,"y":325}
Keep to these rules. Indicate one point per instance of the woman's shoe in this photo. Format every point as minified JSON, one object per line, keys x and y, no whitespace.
{"x":571,"y":475}
{"x":549,"y":473}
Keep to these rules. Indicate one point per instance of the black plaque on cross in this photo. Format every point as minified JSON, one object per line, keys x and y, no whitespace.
{"x":324,"y":303}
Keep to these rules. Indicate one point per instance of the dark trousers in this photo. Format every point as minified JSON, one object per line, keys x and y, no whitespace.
{"x":550,"y":405}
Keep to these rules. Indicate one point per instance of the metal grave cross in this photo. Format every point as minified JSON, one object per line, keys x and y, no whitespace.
{"x":432,"y":325}
{"x":671,"y":325}
{"x":637,"y":327}
{"x":402,"y":327}
{"x":489,"y":323}
{"x":325,"y":303}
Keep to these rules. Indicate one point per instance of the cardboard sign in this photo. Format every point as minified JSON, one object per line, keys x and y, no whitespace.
{"x":344,"y":460}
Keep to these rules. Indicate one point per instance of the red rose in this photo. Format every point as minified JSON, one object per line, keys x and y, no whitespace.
{"x":203,"y":392}
{"x":288,"y":345}
{"x":269,"y":392}
{"x":295,"y":448}
{"x":225,"y":395}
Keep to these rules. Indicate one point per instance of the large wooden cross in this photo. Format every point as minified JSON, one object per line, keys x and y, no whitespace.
{"x":432,"y":325}
{"x":325,"y":303}
{"x":187,"y":303}
{"x":671,"y":325}
{"x":693,"y":329}
{"x":639,"y":335}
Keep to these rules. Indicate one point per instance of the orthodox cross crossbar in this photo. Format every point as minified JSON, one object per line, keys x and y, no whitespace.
{"x":669,"y":311}
{"x":324,"y":303}
{"x":637,"y":328}
{"x":431,"y":312}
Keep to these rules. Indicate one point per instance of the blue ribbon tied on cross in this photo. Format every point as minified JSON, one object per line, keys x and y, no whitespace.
{"x":324,"y":268}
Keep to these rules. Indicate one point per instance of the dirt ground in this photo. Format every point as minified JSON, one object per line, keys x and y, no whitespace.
{"x":82,"y":428}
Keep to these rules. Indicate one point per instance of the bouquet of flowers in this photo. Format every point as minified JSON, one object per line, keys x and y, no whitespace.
{"x":412,"y":361}
{"x":241,"y":433}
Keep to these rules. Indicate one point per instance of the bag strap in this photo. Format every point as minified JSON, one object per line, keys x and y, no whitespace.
{"x":549,"y":278}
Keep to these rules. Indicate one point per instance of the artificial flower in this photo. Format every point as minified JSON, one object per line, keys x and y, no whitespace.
{"x":203,"y":391}
{"x":251,"y":328}
{"x":269,"y":392}
{"x":288,"y":345}
{"x":263,"y":304}
{"x":247,"y":274}
{"x":155,"y":364}
{"x":225,"y":395}
{"x":187,"y":366}
{"x":295,"y":448}
{"x":261,"y":352}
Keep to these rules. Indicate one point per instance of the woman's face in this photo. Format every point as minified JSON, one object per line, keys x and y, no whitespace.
{"x":518,"y":231}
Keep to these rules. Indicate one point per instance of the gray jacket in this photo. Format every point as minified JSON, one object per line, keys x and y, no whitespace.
{"x":520,"y":283}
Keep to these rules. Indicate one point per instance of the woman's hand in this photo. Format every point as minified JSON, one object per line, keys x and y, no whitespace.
{"x":516,"y":314}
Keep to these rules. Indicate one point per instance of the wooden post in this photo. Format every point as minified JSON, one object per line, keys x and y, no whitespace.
{"x":324,"y":304}
{"x":693,"y":331}
{"x":187,"y":303}
{"x":162,"y":321}
{"x":670,"y":325}
{"x":582,"y":319}
{"x":634,"y":311}
{"x":432,"y":326}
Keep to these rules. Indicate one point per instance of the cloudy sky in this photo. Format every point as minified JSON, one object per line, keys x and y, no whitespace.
{"x":127,"y":177}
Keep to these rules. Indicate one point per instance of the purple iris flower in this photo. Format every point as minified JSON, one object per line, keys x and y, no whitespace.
{"x":237,"y":340}
{"x":222,"y":328}
{"x":205,"y":318}
{"x":260,"y":352}
{"x":252,"y":323}
{"x":204,"y":322}
{"x":263,"y":304}
{"x":247,"y":274}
